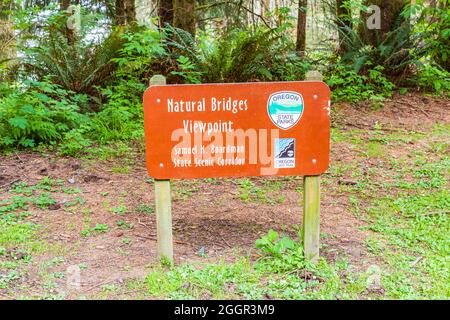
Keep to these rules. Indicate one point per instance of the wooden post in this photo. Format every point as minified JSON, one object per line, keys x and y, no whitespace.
{"x":163,"y":203}
{"x":311,"y":217}
{"x":311,"y":204}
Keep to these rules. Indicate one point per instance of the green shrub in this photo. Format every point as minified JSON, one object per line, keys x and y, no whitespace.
{"x":141,"y":55}
{"x":40,"y":113}
{"x":436,"y":32}
{"x":240,"y":55}
{"x":397,"y":50}
{"x":434,"y":79}
{"x":78,"y":64}
{"x":74,"y":143}
{"x":347,"y":85}
{"x":121,"y":118}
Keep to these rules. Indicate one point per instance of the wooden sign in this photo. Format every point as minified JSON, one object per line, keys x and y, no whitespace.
{"x":240,"y":129}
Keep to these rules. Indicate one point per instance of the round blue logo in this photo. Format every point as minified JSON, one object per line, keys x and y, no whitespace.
{"x":285,"y":108}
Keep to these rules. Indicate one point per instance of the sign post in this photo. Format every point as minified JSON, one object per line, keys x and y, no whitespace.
{"x":163,"y":204}
{"x":311,"y":204}
{"x":237,"y":130}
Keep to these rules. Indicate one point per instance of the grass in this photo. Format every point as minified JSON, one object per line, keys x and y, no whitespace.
{"x":404,"y":203}
{"x":21,"y":240}
{"x":398,"y":191}
{"x":416,"y":229}
{"x":244,"y":279}
{"x":261,"y":190}
{"x":14,"y":234}
{"x":95,"y":230}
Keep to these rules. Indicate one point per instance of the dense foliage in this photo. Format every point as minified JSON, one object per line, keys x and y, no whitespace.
{"x":85,"y":88}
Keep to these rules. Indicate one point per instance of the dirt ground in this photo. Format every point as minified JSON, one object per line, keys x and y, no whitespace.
{"x":209,"y":216}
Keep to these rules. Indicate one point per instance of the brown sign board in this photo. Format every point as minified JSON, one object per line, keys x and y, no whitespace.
{"x":237,"y":130}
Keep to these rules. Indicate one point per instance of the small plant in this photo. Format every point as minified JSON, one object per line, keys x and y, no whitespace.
{"x":6,"y":279}
{"x":143,"y":208}
{"x":165,"y":262}
{"x":58,"y":275}
{"x":187,"y":70}
{"x":74,"y":202}
{"x":70,"y":190}
{"x":74,"y":143}
{"x":126,"y":241}
{"x":44,"y":200}
{"x":100,"y":228}
{"x":124,"y":224}
{"x":110,"y":287}
{"x":54,"y":262}
{"x":250,"y":192}
{"x":280,"y":254}
{"x":85,"y":233}
{"x":120,"y":210}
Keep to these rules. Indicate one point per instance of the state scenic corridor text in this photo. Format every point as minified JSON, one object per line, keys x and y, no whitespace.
{"x":208,"y":162}
{"x":238,"y":309}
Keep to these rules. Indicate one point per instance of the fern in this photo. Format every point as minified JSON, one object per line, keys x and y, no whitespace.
{"x":79,"y":66}
{"x":239,"y":56}
{"x":397,"y":51}
{"x":41,"y":113}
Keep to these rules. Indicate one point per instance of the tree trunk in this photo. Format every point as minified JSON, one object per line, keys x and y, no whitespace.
{"x":7,"y":37}
{"x":64,"y":5}
{"x":184,"y":15}
{"x":125,"y":12}
{"x":344,"y":23}
{"x":130,"y":11}
{"x":119,"y":15}
{"x":390,"y":15}
{"x":301,"y":27}
{"x":165,"y":12}
{"x":70,"y":35}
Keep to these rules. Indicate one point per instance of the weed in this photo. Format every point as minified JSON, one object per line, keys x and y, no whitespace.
{"x":98,"y":228}
{"x":143,"y":208}
{"x":280,"y":254}
{"x":124,"y":225}
{"x":120,"y":210}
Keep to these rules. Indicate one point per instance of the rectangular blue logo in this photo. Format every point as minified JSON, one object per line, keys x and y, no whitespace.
{"x":284,"y":154}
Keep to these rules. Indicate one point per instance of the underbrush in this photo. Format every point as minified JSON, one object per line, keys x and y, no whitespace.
{"x":40,"y":113}
{"x":348,"y":85}
{"x":280,"y":273}
{"x":85,"y":96}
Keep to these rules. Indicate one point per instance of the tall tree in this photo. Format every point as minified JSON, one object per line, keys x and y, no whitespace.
{"x":130,"y":11}
{"x":165,"y":12}
{"x":390,"y":17}
{"x":184,"y":15}
{"x":64,"y":6}
{"x":344,"y":22}
{"x":125,"y":12}
{"x":119,"y":14}
{"x":7,"y":37}
{"x":301,"y":27}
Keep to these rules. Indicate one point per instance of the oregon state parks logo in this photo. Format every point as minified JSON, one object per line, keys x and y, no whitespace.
{"x":285,"y":109}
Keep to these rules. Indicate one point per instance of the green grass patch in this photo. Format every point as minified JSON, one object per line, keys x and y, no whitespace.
{"x":416,"y":228}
